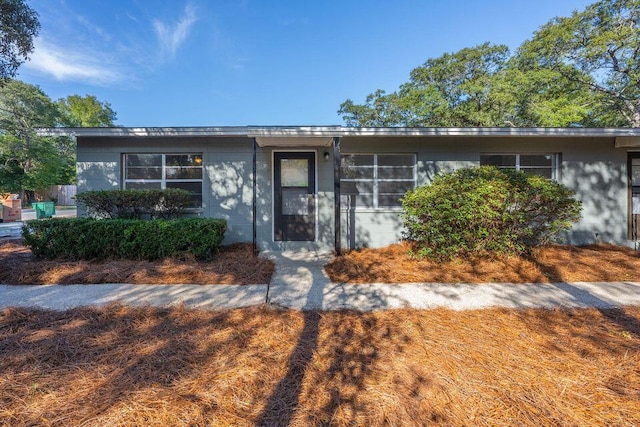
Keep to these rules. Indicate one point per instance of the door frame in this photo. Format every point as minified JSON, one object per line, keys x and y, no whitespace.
{"x":273,"y":191}
{"x":630,"y":156}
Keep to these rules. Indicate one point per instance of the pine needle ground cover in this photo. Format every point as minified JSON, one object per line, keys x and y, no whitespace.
{"x":157,"y":367}
{"x":234,"y":264}
{"x":546,"y":264}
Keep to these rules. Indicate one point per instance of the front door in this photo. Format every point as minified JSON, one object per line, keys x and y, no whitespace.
{"x":294,"y":181}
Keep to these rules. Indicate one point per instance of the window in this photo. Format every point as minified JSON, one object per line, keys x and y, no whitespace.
{"x":535,"y":164}
{"x":376,"y":180}
{"x":160,"y":171}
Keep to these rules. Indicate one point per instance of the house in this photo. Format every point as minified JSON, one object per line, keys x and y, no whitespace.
{"x":326,"y":188}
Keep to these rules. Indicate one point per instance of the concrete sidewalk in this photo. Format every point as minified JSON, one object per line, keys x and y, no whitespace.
{"x":300,"y":282}
{"x":62,"y":297}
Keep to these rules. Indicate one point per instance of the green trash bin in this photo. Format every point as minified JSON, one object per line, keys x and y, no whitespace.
{"x":44,"y":209}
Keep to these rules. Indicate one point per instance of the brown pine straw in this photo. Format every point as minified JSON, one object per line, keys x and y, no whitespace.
{"x":555,"y":263}
{"x":159,"y":367}
{"x":235,"y":264}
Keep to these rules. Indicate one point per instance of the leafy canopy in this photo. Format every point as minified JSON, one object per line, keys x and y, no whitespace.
{"x":582,"y":70}
{"x":18,"y":27}
{"x":28,"y":160}
{"x":598,"y":50}
{"x":85,"y":111}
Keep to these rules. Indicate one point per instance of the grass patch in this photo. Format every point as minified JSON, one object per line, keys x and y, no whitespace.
{"x":554,"y":263}
{"x":234,"y":264}
{"x":144,"y":366}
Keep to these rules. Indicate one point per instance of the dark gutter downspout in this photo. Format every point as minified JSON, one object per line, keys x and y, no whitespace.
{"x":255,"y":179}
{"x":336,"y":193}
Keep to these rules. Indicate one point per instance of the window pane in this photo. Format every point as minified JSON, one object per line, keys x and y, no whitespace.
{"x":635,"y":161}
{"x":144,"y":160}
{"x":357,"y":173}
{"x":184,"y":159}
{"x":498,"y":160}
{"x":389,"y":200}
{"x":395,"y":172}
{"x":356,"y":187}
{"x":294,"y":172}
{"x":356,"y":201}
{"x":394,"y":186}
{"x":350,"y":160}
{"x":635,"y":175}
{"x":546,"y":172}
{"x":536,"y":160}
{"x":144,"y":173}
{"x":184,"y":173}
{"x":396,"y":159}
{"x":295,"y":201}
{"x":193,"y":187}
{"x":143,"y":185}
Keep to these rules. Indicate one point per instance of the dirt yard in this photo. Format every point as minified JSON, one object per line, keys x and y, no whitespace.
{"x":557,"y":263}
{"x":234,"y":264}
{"x":261,"y":366}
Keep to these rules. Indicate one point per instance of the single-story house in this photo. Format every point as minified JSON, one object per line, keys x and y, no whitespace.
{"x":333,"y":187}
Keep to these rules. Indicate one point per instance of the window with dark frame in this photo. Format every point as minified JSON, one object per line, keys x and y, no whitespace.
{"x":162,"y":171}
{"x":545,"y":164}
{"x":376,"y":181}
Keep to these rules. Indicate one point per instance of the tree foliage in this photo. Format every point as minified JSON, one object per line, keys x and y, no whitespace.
{"x":18,"y":27}
{"x":85,"y":111}
{"x":598,"y":50}
{"x":486,"y":209}
{"x":583,"y":70}
{"x":28,"y":160}
{"x":455,"y":89}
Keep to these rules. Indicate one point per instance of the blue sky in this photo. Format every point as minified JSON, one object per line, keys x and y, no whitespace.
{"x":250,"y":62}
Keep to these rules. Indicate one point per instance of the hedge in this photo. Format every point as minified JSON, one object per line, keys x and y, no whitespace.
{"x":135,"y":203}
{"x":486,"y":209}
{"x":89,"y":239}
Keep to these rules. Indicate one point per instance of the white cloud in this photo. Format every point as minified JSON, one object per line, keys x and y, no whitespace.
{"x":171,"y":37}
{"x":70,"y":64}
{"x":94,"y":28}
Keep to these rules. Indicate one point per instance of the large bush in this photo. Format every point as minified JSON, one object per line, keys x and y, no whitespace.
{"x":486,"y":209}
{"x":85,"y":238}
{"x":135,"y":204}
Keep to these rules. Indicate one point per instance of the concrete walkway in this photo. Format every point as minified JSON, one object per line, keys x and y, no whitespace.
{"x":300,"y":283}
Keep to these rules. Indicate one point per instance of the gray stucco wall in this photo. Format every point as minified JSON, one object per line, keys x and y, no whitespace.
{"x":592,"y":167}
{"x":227,"y":182}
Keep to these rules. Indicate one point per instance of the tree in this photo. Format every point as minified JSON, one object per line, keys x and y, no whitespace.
{"x":29,"y":161}
{"x":455,"y":89}
{"x":85,"y":111}
{"x":18,"y":27}
{"x":583,"y":70}
{"x":597,"y":49}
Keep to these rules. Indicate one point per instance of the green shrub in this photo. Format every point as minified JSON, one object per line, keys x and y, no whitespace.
{"x":486,"y":209}
{"x":135,"y":204}
{"x":85,"y":238}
